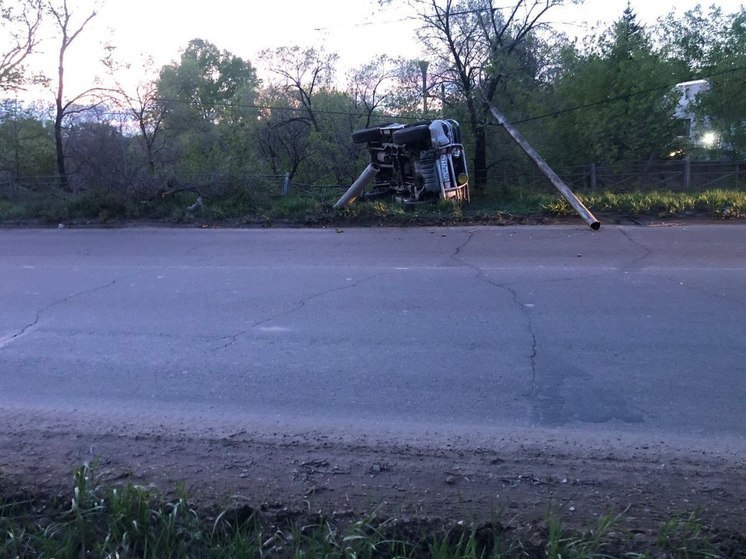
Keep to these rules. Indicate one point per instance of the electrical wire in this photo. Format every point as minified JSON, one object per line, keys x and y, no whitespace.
{"x":617,"y":98}
{"x":386,"y":116}
{"x":278,"y":108}
{"x":411,"y":18}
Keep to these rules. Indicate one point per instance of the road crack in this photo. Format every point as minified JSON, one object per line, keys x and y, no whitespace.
{"x":525,"y":310}
{"x":297,"y":306}
{"x":38,"y":314}
{"x":202,"y":246}
{"x":647,"y":252}
{"x":456,"y":253}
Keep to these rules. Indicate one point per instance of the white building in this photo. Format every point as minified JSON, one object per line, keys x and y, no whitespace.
{"x":693,"y":129}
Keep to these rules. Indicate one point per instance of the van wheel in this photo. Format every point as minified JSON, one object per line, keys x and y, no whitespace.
{"x":415,"y":134}
{"x":367,"y":135}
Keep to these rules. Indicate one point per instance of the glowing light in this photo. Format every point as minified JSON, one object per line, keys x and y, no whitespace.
{"x":709,"y":139}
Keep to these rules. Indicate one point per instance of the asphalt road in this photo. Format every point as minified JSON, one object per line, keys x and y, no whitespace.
{"x":628,"y":330}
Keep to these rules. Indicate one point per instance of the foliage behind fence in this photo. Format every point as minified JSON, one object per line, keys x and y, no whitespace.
{"x":676,"y":175}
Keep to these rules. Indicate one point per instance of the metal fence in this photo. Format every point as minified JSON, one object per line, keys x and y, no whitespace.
{"x":37,"y":188}
{"x":29,"y":188}
{"x":680,"y":175}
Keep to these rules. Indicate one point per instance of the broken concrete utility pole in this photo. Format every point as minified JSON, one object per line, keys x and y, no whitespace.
{"x":358,"y":186}
{"x":558,"y":183}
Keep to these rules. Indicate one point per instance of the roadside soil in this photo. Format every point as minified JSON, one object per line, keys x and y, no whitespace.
{"x":519,"y":478}
{"x":336,"y":220}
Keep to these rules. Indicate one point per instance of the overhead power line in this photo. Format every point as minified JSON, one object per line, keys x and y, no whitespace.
{"x":386,"y":116}
{"x":617,"y":98}
{"x":366,"y":23}
{"x":389,"y":21}
{"x":278,"y":108}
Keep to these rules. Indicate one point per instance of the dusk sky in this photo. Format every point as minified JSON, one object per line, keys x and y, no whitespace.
{"x":359,"y":30}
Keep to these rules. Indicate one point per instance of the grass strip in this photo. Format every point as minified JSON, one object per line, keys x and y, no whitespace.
{"x":240,"y":208}
{"x":92,"y":520}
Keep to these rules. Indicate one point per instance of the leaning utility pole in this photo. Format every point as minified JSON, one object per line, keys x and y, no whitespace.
{"x":544,"y":167}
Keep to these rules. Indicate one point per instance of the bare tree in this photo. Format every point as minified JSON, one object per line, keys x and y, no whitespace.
{"x":140,"y":103}
{"x":302,"y":73}
{"x":19,"y":26}
{"x":69,"y":31}
{"x":367,"y":86}
{"x":148,"y":114}
{"x":283,"y":135}
{"x":474,"y":43}
{"x":417,"y":88}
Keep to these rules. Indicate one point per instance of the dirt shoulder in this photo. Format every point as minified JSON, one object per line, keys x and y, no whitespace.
{"x":498,"y":219}
{"x":520,"y":476}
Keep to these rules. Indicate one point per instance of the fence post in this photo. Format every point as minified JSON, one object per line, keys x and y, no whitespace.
{"x":286,"y":185}
{"x":594,"y":177}
{"x":687,"y":174}
{"x":738,"y":169}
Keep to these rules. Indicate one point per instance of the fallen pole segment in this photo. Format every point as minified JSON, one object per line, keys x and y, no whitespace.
{"x":358,"y":186}
{"x":544,"y":167}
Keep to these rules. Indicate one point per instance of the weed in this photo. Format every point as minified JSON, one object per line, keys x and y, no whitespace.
{"x":599,"y":542}
{"x":258,"y":205}
{"x":686,"y":537}
{"x":132,"y":521}
{"x":469,"y":543}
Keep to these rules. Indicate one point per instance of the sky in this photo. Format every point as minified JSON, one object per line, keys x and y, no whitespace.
{"x":358,"y":30}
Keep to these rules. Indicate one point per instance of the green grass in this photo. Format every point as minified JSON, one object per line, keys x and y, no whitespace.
{"x":133,"y":521}
{"x":717,"y":204}
{"x":242,"y":207}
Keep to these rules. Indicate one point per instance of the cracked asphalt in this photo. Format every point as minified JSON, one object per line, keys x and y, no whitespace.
{"x":627,"y":330}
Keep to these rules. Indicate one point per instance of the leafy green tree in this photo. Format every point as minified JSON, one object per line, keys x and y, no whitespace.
{"x":206,"y":81}
{"x":688,"y":41}
{"x":206,"y":98}
{"x":333,"y":158}
{"x":26,"y":142}
{"x":289,"y":142}
{"x":614,"y":103}
{"x":723,"y":107}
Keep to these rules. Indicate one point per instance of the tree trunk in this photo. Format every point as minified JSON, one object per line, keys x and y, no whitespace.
{"x":479,"y":168}
{"x":480,"y":156}
{"x":62,"y":179}
{"x":148,"y":141}
{"x":62,"y":15}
